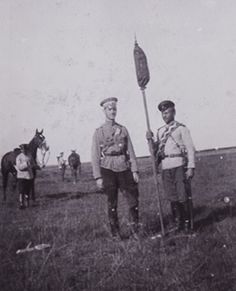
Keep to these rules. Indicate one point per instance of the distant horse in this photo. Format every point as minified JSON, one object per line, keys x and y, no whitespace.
{"x":8,"y":161}
{"x":74,"y":163}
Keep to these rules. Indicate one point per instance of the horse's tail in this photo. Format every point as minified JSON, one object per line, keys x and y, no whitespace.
{"x":5,"y":172}
{"x":4,"y":164}
{"x":8,"y":166}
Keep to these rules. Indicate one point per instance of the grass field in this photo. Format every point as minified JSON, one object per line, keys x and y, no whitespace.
{"x":73,"y":220}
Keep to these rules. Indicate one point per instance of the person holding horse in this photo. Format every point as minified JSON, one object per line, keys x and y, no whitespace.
{"x":25,"y":166}
{"x":75,"y":164}
{"x":8,"y":161}
{"x":115,"y":167}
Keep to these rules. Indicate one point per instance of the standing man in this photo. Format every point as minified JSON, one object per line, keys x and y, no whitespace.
{"x":114,"y":165}
{"x":175,"y":152}
{"x":24,"y":166}
{"x":61,"y":165}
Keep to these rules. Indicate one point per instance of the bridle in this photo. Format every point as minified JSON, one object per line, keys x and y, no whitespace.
{"x":44,"y":149}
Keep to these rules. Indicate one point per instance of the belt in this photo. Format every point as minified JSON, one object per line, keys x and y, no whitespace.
{"x":113,"y":154}
{"x":173,"y":156}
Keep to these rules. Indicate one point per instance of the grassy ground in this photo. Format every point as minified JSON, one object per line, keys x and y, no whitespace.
{"x":82,"y":256}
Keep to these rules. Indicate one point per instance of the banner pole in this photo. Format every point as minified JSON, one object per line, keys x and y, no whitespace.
{"x":153,"y":164}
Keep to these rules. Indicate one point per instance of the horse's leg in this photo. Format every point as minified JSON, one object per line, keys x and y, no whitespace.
{"x":32,"y":190}
{"x":14,"y":181}
{"x":76,"y":176}
{"x":72,"y":172}
{"x":4,"y":182}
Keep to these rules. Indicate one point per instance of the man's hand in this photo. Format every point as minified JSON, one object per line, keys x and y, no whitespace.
{"x":136,"y":177}
{"x":99,"y":183}
{"x":189,"y":173}
{"x":149,"y":135}
{"x":36,"y":167}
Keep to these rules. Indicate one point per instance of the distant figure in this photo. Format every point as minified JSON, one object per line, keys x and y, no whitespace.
{"x":61,"y":165}
{"x":175,"y":152}
{"x":115,"y":167}
{"x":75,"y":164}
{"x":25,"y":166}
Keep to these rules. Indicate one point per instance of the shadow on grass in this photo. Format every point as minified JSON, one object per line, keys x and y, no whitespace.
{"x":204,"y":216}
{"x":211,"y":215}
{"x":71,"y":195}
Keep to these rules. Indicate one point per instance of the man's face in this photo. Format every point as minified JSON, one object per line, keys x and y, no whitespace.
{"x":168,"y":115}
{"x":110,"y":112}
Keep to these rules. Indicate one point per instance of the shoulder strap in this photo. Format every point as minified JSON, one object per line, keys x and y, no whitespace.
{"x":180,"y":124}
{"x":166,"y":135}
{"x":175,"y":142}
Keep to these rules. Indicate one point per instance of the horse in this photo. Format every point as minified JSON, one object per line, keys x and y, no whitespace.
{"x":74,"y":163}
{"x":8,"y":161}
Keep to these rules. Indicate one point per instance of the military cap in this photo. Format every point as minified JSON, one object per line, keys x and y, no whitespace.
{"x":23,"y":146}
{"x":165,"y":105}
{"x":109,"y":101}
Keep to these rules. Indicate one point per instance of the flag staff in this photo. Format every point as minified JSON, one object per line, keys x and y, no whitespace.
{"x":143,"y":78}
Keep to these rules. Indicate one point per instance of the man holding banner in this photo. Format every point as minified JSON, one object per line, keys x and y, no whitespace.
{"x":175,"y":151}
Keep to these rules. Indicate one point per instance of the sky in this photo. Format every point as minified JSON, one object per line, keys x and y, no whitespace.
{"x":60,"y":58}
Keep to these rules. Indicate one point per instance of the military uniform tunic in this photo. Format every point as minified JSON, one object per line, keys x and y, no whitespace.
{"x":179,"y":142}
{"x":112,"y":149}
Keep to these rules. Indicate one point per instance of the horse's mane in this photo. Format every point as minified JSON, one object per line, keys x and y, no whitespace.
{"x":32,"y":148}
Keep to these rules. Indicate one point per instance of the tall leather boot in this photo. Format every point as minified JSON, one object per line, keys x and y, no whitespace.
{"x":186,"y":216}
{"x":114,"y":224}
{"x":176,"y":214}
{"x":134,"y":219}
{"x":27,"y":200}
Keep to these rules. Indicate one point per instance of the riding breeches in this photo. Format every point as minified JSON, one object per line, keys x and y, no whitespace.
{"x":112,"y":182}
{"x":175,"y":184}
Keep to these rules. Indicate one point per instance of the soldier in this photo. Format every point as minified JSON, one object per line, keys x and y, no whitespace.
{"x":61,"y":165}
{"x":114,"y":166}
{"x":175,"y":151}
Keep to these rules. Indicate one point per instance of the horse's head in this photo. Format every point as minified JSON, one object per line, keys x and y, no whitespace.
{"x":40,"y":141}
